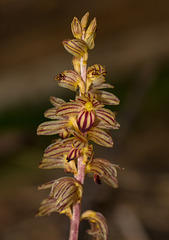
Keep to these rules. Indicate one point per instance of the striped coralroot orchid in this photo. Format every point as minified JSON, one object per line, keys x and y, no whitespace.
{"x":77,"y":123}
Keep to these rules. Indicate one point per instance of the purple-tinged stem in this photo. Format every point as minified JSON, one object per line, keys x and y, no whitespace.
{"x":75,"y":220}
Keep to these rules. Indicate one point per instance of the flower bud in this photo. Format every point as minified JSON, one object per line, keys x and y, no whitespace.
{"x":76,"y":47}
{"x":91,"y":34}
{"x":96,"y":74}
{"x":84,"y":20}
{"x":76,"y":28}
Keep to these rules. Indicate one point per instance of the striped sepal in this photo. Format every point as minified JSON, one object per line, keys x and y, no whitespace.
{"x":106,"y":97}
{"x":106,"y":116}
{"x":101,"y":86}
{"x":100,"y":137}
{"x":58,"y":162}
{"x":69,"y":79}
{"x":76,"y":47}
{"x":70,"y":108}
{"x":52,"y":162}
{"x":85,"y":120}
{"x":64,"y":192}
{"x":51,"y":113}
{"x":98,"y":224}
{"x":56,"y":149}
{"x":105,"y":170}
{"x":56,"y":101}
{"x":51,"y":127}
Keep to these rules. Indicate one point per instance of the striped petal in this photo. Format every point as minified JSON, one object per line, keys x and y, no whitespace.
{"x":100,"y":137}
{"x":76,"y":47}
{"x":85,"y":120}
{"x":104,"y":170}
{"x":51,"y":127}
{"x":106,"y":97}
{"x":70,"y":108}
{"x":70,"y":79}
{"x":99,"y":229}
{"x":106,"y":116}
{"x":64,"y":192}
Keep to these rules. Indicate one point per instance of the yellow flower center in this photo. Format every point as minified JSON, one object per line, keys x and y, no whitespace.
{"x":88,"y":106}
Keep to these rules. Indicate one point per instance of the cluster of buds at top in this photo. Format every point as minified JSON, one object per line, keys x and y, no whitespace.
{"x":78,"y":123}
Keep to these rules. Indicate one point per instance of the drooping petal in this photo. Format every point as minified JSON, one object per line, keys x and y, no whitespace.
{"x":85,"y":120}
{"x":99,"y":229}
{"x":52,"y":127}
{"x":70,"y":79}
{"x":76,"y":47}
{"x":64,"y":192}
{"x":76,"y":28}
{"x":100,"y":137}
{"x":105,"y":170}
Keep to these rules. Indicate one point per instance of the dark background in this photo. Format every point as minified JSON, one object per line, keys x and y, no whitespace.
{"x":133,"y":43}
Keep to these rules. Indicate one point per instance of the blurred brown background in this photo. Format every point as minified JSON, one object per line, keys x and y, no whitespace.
{"x":133,"y":43}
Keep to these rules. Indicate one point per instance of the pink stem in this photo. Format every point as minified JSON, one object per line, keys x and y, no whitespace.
{"x":75,"y":220}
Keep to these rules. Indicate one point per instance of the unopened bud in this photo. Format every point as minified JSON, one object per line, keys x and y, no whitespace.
{"x":76,"y":28}
{"x":84,"y":20}
{"x":91,"y":34}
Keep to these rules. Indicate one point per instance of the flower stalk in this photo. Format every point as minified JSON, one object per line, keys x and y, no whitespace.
{"x":78,"y":122}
